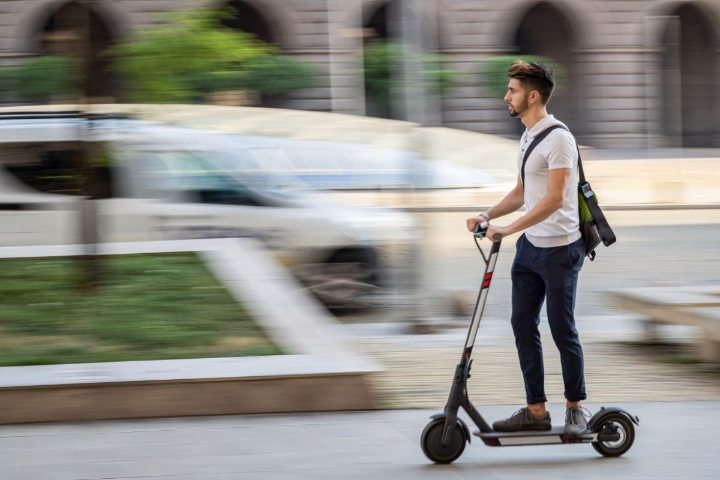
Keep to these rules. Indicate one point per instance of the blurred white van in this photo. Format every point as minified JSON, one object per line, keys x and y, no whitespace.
{"x":167,"y":182}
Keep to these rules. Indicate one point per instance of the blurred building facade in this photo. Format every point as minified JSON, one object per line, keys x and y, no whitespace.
{"x":639,"y":73}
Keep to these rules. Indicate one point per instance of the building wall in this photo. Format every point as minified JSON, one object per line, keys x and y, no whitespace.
{"x":615,"y":56}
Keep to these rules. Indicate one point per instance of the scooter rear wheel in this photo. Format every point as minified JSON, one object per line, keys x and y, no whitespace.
{"x":619,"y":423}
{"x":431,"y":444}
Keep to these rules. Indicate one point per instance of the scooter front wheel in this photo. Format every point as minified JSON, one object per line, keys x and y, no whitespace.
{"x":431,"y":442}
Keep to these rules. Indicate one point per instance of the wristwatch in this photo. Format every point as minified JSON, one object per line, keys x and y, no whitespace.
{"x":484,"y":214}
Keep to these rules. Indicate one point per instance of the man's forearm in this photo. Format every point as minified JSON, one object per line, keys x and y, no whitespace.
{"x":511,"y":202}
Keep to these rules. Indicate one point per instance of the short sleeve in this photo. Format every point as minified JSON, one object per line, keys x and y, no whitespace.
{"x":564,"y":153}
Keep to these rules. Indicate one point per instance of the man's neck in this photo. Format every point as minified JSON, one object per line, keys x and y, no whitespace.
{"x":533,"y":117}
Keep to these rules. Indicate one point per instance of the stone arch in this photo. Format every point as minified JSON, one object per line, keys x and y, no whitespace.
{"x":377,"y":24}
{"x":267,"y":20}
{"x":60,"y":28}
{"x":378,"y":13}
{"x":381,"y":20}
{"x":377,"y":16}
{"x":34,"y":19}
{"x":664,"y":8}
{"x":248,"y":19}
{"x":551,"y":29}
{"x":503,"y":22}
{"x":686,"y":37}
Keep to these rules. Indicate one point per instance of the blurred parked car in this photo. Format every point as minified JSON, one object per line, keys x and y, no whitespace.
{"x":167,"y":182}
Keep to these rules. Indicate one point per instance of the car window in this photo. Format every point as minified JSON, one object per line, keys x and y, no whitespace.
{"x":192,"y":177}
{"x":263,"y":170}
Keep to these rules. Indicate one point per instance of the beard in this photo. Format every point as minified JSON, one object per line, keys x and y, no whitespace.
{"x":514,"y":112}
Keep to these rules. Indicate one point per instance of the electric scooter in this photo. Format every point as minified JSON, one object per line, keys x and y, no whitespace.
{"x":610,"y":431}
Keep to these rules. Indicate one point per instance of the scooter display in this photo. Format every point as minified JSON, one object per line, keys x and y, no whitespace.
{"x":611,"y":430}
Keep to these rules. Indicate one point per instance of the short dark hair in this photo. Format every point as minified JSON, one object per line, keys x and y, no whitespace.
{"x":535,"y":76}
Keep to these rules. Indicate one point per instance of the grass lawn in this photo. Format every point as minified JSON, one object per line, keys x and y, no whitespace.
{"x":149,"y":307}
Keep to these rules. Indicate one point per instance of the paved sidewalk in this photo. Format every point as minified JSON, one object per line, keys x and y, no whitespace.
{"x":418,"y":369}
{"x":673,"y":441}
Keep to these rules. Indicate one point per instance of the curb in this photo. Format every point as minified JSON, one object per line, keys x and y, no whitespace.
{"x":321,"y":371}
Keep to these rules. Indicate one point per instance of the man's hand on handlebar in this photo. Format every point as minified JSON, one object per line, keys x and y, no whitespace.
{"x":494,"y":230}
{"x":473,"y":222}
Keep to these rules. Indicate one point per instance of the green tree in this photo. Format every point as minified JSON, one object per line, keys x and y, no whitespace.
{"x":195,"y":55}
{"x":383,"y":85}
{"x":41,"y":78}
{"x":274,"y":75}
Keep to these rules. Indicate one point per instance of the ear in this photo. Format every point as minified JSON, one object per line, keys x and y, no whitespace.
{"x":534,"y":96}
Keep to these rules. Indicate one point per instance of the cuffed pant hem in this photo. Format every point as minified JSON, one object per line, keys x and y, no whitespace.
{"x":580,"y":398}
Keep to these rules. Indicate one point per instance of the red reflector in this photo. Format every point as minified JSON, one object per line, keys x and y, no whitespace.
{"x":486,"y":284}
{"x":488,"y":276}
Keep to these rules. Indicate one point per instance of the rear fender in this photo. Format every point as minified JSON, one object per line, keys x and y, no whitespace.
{"x":605,"y":411}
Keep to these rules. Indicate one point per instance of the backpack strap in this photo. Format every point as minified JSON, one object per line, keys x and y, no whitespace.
{"x":598,"y":218}
{"x":539,"y":138}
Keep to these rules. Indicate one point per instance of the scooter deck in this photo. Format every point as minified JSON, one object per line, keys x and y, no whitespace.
{"x":530,"y":437}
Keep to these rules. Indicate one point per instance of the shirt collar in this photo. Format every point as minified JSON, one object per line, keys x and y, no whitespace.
{"x":540,"y":126}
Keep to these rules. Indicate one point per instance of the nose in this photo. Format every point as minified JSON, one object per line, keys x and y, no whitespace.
{"x":506,"y":98}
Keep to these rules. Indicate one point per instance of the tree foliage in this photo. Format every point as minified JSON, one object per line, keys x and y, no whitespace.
{"x":383,"y":85}
{"x":195,"y":54}
{"x":41,"y":78}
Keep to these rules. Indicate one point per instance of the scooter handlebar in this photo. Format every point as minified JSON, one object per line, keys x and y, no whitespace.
{"x":481,"y":231}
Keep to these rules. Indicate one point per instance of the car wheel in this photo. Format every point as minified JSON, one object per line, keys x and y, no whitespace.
{"x":348,"y":280}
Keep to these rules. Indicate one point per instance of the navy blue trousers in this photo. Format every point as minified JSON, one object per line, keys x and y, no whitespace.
{"x":539,"y":275}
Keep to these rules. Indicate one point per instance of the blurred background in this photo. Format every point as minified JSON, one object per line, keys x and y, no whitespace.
{"x":632,"y":75}
{"x":353,"y":138}
{"x":343,"y":143}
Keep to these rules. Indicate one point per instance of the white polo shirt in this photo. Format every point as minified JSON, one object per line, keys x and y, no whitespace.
{"x":557,"y":150}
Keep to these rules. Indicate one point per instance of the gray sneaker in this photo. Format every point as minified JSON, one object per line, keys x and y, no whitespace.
{"x":522,"y":421}
{"x":575,"y":421}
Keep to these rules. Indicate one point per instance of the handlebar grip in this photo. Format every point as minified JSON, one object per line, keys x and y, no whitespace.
{"x":481,"y":229}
